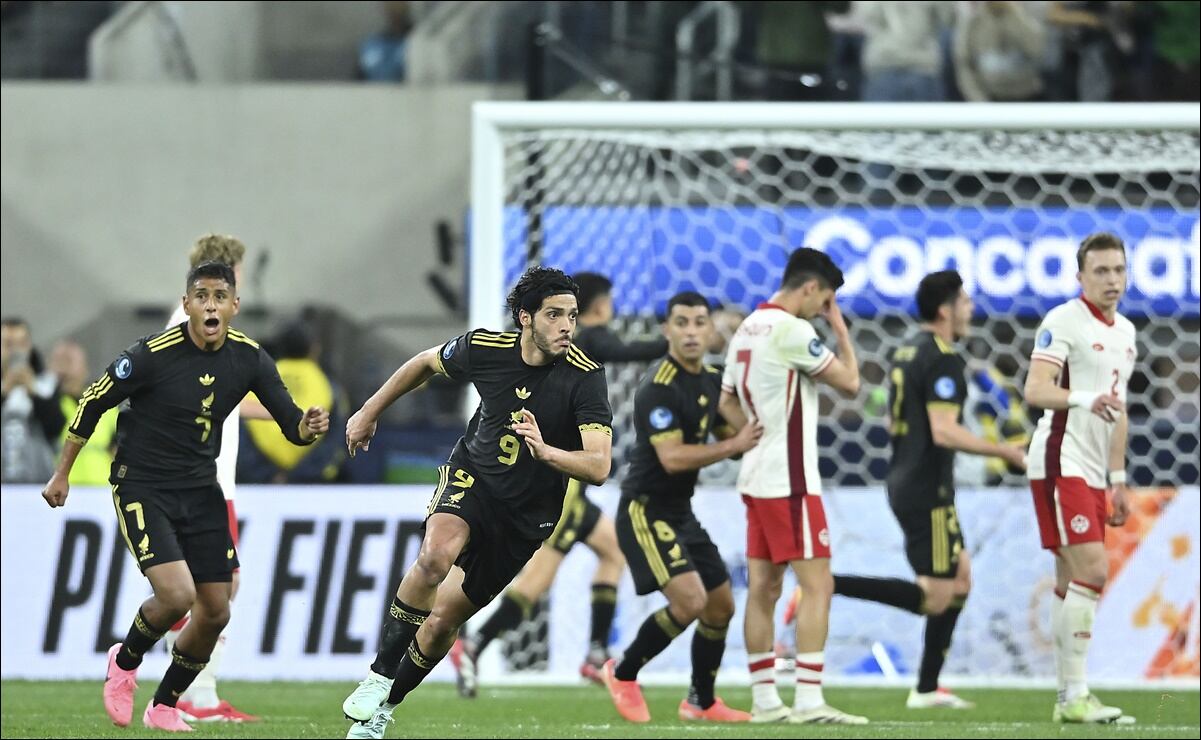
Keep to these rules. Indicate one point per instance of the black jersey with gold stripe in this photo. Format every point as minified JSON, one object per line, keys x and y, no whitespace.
{"x":566,"y":397}
{"x":179,"y":395}
{"x":670,"y":403}
{"x":926,"y":373}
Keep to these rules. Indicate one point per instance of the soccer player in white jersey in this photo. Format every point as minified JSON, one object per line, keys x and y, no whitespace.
{"x":773,"y":365}
{"x":1083,"y":356}
{"x":200,"y":702}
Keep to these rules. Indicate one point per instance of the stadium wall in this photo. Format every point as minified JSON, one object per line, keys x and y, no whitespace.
{"x":320,"y":564}
{"x":104,"y":187}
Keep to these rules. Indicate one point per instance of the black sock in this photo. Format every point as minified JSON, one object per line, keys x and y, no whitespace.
{"x":142,"y":636}
{"x":179,"y":676}
{"x":708,"y":645}
{"x":513,"y":608}
{"x":400,"y":626}
{"x":604,"y":604}
{"x":414,"y":667}
{"x":655,"y":634}
{"x":902,"y":594}
{"x":938,"y":641}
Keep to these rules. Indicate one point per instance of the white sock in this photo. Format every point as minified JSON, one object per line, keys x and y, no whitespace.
{"x":1076,"y":631}
{"x":763,"y":680}
{"x":1056,"y":646}
{"x":809,"y":681}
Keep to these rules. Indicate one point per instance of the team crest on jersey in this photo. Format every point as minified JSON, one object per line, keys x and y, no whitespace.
{"x":123,"y":367}
{"x":816,"y":347}
{"x":824,"y":537}
{"x":1080,"y":524}
{"x":448,"y":350}
{"x":1044,"y":338}
{"x":661,"y":417}
{"x":944,"y":388}
{"x":1098,"y":346}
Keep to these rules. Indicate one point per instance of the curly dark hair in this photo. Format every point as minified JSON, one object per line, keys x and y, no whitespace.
{"x":534,"y":286}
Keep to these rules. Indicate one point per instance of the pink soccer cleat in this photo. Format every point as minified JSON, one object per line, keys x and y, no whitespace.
{"x":718,"y":712}
{"x":223,"y":712}
{"x":163,"y":717}
{"x":627,"y":696}
{"x":119,"y":686}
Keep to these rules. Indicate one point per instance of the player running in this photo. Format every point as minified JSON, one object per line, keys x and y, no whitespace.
{"x":543,"y":417}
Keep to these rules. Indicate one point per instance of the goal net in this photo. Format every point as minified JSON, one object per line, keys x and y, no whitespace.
{"x":713,"y":197}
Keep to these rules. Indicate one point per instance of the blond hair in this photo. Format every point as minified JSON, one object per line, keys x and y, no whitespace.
{"x":217,"y":248}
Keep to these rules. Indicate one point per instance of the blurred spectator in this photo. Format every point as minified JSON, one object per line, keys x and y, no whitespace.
{"x":271,"y":458}
{"x":30,"y":419}
{"x":1176,"y":52}
{"x":795,"y":42}
{"x":999,"y":49}
{"x":1091,"y":37}
{"x":902,"y":52}
{"x":69,"y":363}
{"x":382,"y":55}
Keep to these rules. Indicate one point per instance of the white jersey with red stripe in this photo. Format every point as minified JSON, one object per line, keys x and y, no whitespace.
{"x":1094,"y":355}
{"x":770,"y":365}
{"x":227,"y":458}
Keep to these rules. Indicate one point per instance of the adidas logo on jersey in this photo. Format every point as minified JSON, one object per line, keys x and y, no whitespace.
{"x":206,"y":380}
{"x":522,"y":393}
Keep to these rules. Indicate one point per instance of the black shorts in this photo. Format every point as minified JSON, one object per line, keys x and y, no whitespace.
{"x":933,"y":540}
{"x":579,"y":518}
{"x":496,"y":551}
{"x":190,"y":524}
{"x":660,"y":544}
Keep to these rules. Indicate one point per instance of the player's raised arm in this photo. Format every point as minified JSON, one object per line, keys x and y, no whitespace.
{"x":360,"y":427}
{"x":842,"y":372}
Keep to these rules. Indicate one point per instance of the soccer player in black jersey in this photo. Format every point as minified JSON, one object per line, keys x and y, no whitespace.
{"x":543,"y":418}
{"x":675,"y":411}
{"x":181,"y":384}
{"x":926,"y":403}
{"x":582,"y":520}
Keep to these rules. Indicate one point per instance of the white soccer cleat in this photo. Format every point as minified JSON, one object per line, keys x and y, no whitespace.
{"x":1086,"y":710}
{"x":778,"y":713}
{"x":374,"y":727}
{"x":940,"y":698}
{"x":825,"y":715}
{"x":365,"y":699}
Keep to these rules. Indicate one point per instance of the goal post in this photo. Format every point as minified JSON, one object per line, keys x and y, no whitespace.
{"x":662,"y":197}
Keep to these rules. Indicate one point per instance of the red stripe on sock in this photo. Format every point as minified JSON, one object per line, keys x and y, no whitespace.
{"x":764,"y":664}
{"x":805,"y":680}
{"x":1089,"y":586}
{"x":810,"y":666}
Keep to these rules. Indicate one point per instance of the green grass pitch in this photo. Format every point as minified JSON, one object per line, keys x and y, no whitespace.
{"x":65,"y":709}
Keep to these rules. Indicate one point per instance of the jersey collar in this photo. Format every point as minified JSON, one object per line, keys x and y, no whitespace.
{"x":1096,"y":312}
{"x":768,"y":304}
